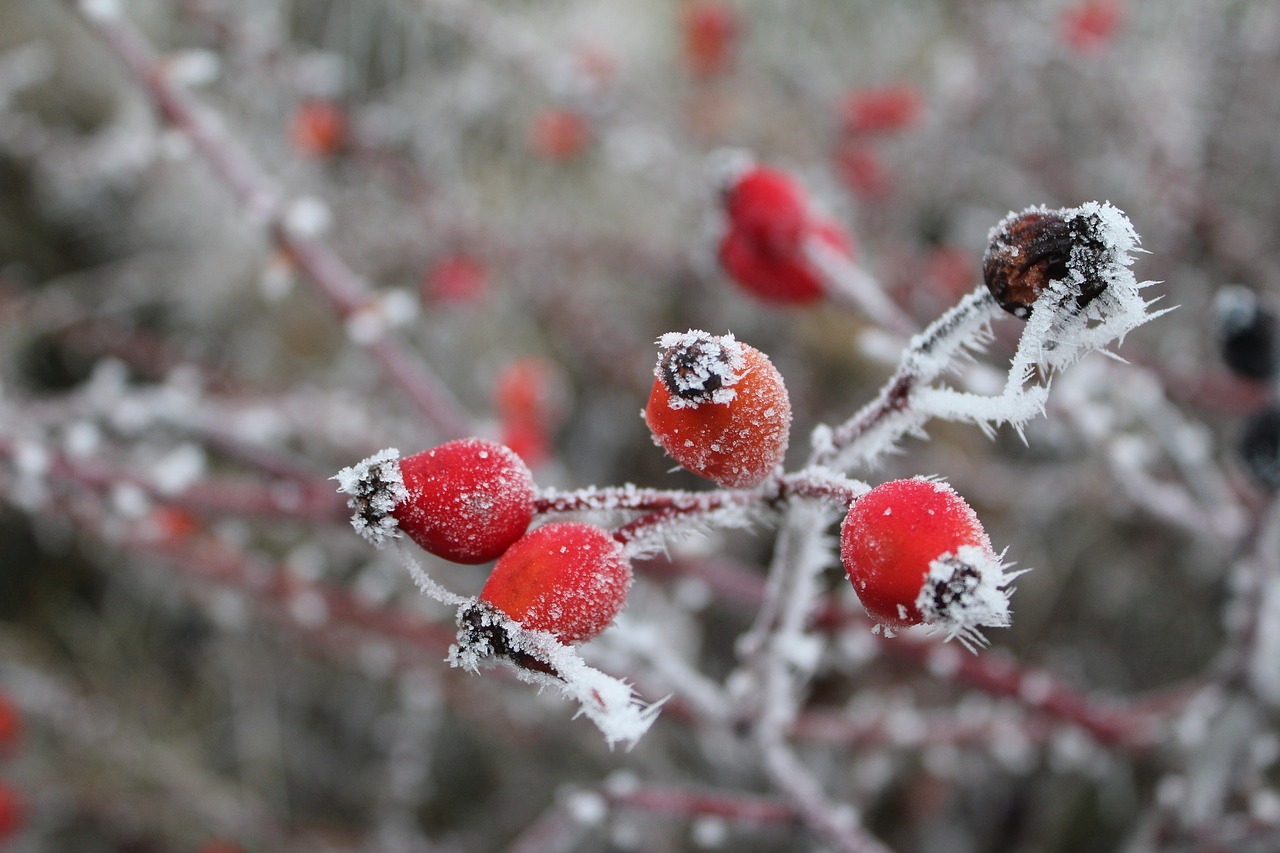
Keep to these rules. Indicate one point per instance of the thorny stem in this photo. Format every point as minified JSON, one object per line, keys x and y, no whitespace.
{"x":332,"y":277}
{"x":781,"y":673}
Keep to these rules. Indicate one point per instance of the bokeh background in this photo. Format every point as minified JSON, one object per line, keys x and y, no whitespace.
{"x":197,"y":649}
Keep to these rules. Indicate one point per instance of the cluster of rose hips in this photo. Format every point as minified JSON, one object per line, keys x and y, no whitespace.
{"x":913,"y":549}
{"x":471,"y":501}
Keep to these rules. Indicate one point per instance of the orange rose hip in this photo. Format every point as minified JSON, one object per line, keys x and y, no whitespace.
{"x":719,"y":408}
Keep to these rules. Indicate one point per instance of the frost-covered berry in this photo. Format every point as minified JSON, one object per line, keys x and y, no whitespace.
{"x":768,"y":234}
{"x":567,"y":578}
{"x":719,"y":407}
{"x":1028,"y":251}
{"x":1247,"y":333}
{"x":916,"y":553}
{"x":466,"y":500}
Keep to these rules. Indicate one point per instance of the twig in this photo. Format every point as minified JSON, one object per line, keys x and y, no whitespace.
{"x":346,"y":293}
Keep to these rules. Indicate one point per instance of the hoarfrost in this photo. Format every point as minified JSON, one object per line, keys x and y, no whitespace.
{"x":967,"y":591}
{"x":608,"y":702}
{"x":376,"y":487}
{"x":705,"y":368}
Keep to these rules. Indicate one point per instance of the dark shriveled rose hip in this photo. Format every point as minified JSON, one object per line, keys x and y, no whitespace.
{"x":1030,"y":250}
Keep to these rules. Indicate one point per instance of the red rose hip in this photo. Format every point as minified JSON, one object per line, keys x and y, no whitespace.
{"x":916,"y":553}
{"x":719,"y":407}
{"x":466,"y":500}
{"x":567,"y":578}
{"x":769,"y":232}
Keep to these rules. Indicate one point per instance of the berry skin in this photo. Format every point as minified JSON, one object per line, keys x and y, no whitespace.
{"x":568,"y":578}
{"x":719,"y":407}
{"x":916,"y":553}
{"x":768,"y":231}
{"x":468,"y":500}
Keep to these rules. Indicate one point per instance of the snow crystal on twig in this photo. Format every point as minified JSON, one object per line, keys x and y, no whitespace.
{"x":539,"y":658}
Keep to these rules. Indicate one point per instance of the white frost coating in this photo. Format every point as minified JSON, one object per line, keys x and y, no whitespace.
{"x":709,"y":833}
{"x":719,"y":361}
{"x":81,"y":439}
{"x":429,"y":587}
{"x":375,"y":486}
{"x":309,"y":609}
{"x":1059,"y":331}
{"x":399,"y":306}
{"x":608,"y":702}
{"x":967,"y":591}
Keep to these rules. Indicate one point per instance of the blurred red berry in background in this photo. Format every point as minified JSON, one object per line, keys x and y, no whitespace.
{"x":1090,"y":26}
{"x":558,"y":134}
{"x":885,"y":109}
{"x":456,"y":278}
{"x":769,"y":232}
{"x":711,"y":31}
{"x":318,"y":128}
